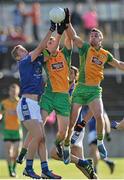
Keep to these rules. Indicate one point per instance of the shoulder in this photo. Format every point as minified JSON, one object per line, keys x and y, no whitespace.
{"x":108,"y":55}
{"x":5,"y":101}
{"x":106,"y":52}
{"x":84,"y":48}
{"x":25,"y":59}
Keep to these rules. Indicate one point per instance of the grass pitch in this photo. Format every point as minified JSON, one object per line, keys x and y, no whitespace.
{"x":69,"y":171}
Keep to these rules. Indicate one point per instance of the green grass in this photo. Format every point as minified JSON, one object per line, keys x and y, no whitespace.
{"x":69,"y":171}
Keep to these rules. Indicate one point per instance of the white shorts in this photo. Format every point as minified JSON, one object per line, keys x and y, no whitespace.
{"x":28,"y":109}
{"x":92,"y":136}
{"x":79,"y":141}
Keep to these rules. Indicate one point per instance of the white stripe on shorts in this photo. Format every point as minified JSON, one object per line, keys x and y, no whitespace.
{"x":28,"y":109}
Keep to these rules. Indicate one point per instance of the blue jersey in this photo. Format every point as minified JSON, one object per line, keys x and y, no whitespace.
{"x":31,"y":80}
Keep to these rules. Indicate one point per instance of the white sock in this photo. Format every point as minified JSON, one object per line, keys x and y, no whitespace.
{"x":99,"y":142}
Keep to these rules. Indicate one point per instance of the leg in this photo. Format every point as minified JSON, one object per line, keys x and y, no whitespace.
{"x":22,"y":154}
{"x":73,"y":117}
{"x":15,"y":151}
{"x":83,"y":165}
{"x":94,"y":154}
{"x":88,"y":116}
{"x":77,"y":147}
{"x":8,"y":146}
{"x":42,"y":151}
{"x":84,"y":115}
{"x":63,"y":124}
{"x":77,"y":151}
{"x":110,"y":164}
{"x":33,"y":127}
{"x":44,"y":116}
{"x":96,"y":106}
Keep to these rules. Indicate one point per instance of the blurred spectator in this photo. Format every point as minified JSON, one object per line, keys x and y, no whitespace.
{"x":12,"y":130}
{"x":3,"y":48}
{"x":16,"y":35}
{"x":19,"y":15}
{"x":36,"y":19}
{"x":76,"y":20}
{"x":51,"y":119}
{"x":90,"y":20}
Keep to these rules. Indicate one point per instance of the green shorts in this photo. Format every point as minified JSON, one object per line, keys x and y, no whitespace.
{"x":12,"y":135}
{"x":85,"y":94}
{"x":60,"y":102}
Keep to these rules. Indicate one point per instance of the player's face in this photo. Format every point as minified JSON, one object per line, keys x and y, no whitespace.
{"x":95,"y":38}
{"x":22,"y":52}
{"x":14,"y":91}
{"x":72,"y":76}
{"x":51,"y":44}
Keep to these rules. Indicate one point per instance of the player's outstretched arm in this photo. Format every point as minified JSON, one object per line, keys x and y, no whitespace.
{"x":60,"y":29}
{"x":71,"y":31}
{"x":73,"y":35}
{"x":56,"y":44}
{"x":118,"y":64}
{"x":68,"y":41}
{"x":43,"y":43}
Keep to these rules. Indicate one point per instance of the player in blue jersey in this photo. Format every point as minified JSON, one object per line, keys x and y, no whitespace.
{"x":92,"y":137}
{"x":28,"y":109}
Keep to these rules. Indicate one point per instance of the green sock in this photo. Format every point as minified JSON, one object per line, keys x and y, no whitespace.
{"x":58,"y":141}
{"x":14,"y":166}
{"x":10,"y":168}
{"x":100,"y":137}
{"x":22,"y":153}
{"x":67,"y":143}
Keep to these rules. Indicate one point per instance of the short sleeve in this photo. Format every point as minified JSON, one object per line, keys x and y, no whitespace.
{"x":110,"y":57}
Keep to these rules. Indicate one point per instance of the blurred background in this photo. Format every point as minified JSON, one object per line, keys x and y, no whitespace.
{"x":26,"y":22}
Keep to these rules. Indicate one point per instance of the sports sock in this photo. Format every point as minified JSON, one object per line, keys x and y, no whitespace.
{"x":29,"y":164}
{"x":82,"y":162}
{"x":22,"y":153}
{"x":99,"y":139}
{"x":14,"y":166}
{"x":44,"y":166}
{"x":58,"y":140}
{"x":10,"y":168}
{"x":99,"y":142}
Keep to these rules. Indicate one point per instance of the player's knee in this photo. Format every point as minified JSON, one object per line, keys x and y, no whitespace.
{"x":99,"y":117}
{"x":40,"y":139}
